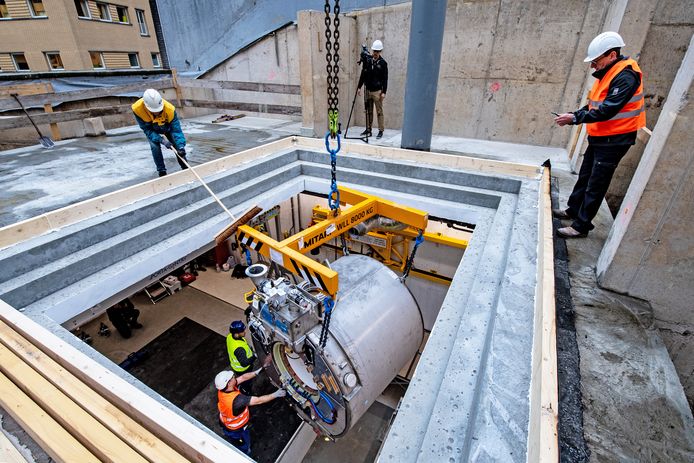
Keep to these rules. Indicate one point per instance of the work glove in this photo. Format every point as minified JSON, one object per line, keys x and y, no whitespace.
{"x":279,"y":393}
{"x":166,"y":143}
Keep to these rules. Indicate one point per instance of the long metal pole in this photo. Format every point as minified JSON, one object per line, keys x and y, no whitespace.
{"x":423,"y":63}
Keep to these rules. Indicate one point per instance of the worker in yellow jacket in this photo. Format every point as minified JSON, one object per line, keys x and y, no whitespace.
{"x":158,"y":120}
{"x":241,"y":357}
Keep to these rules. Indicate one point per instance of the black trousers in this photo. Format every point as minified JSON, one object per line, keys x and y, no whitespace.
{"x":599,"y":164}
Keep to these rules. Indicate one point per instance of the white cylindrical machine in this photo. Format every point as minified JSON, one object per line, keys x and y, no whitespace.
{"x":374,"y":331}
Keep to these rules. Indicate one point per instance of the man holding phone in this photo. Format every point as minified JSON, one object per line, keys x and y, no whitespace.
{"x":614,"y":113}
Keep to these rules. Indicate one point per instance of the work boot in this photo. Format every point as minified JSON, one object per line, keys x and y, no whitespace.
{"x":570,"y":232}
{"x":136,"y":325}
{"x":380,"y":134}
{"x":366,"y":133}
{"x":162,"y":173}
{"x":561,"y":214}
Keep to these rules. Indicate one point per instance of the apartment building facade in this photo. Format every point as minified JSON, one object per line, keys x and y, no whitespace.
{"x":77,"y":35}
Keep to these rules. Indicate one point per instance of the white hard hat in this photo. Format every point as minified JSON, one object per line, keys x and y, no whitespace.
{"x":377,"y":45}
{"x":153,"y":100}
{"x":222,"y":379}
{"x":602,"y":43}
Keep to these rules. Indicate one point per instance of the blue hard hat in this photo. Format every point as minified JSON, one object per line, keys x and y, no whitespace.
{"x":237,"y":326}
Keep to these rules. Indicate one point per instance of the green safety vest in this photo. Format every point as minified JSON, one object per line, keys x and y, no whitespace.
{"x":232,"y":345}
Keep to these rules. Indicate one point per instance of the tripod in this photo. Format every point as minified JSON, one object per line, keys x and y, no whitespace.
{"x":354,"y":100}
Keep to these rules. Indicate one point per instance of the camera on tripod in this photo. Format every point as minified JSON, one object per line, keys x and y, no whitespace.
{"x":364,"y":56}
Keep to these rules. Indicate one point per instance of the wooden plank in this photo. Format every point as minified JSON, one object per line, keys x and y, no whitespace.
{"x":177,"y":87}
{"x":194,"y":443}
{"x":63,"y":116}
{"x":8,"y":452}
{"x":114,"y":419}
{"x":53,"y":439}
{"x":250,"y":107}
{"x":244,"y":86}
{"x":24,"y":89}
{"x":85,"y":428}
{"x":86,"y":94}
{"x":55,"y":132}
{"x":543,"y":441}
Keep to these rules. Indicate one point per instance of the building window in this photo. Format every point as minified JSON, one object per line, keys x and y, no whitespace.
{"x":82,"y":9}
{"x":104,"y":13}
{"x":3,"y":10}
{"x":141,"y":21}
{"x":36,"y":7}
{"x":156,"y":61}
{"x":134,"y":60}
{"x":123,"y":14}
{"x":20,"y":62}
{"x":97,"y":59}
{"x":55,"y":63}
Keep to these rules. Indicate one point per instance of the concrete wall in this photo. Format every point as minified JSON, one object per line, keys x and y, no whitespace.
{"x":273,"y":59}
{"x":650,"y":249}
{"x":665,"y":45}
{"x":505,"y":65}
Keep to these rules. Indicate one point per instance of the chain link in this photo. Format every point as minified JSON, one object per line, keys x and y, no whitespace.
{"x":410,"y":260}
{"x":332,"y":58}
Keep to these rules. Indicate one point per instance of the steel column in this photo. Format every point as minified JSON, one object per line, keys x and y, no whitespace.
{"x":423,"y":62}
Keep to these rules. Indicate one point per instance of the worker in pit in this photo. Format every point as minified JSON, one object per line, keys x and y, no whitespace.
{"x":614,"y":113}
{"x":158,"y":120}
{"x":241,"y":356}
{"x":374,"y":76}
{"x":233,"y":407}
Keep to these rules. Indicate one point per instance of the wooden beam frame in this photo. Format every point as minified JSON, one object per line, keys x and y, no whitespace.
{"x":543,"y":434}
{"x":117,"y":422}
{"x":192,"y":442}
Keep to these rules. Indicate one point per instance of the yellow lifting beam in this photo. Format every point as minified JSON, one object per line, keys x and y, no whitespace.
{"x":289,"y":253}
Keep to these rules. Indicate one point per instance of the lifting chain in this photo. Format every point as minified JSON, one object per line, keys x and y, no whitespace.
{"x":328,"y":306}
{"x":410,"y":260}
{"x":332,"y":58}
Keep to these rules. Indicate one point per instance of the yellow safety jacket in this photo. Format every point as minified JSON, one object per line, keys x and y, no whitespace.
{"x":165,"y":117}
{"x":232,"y":345}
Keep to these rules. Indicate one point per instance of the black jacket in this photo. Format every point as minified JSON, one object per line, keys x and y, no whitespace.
{"x":622,"y":88}
{"x":375,"y":75}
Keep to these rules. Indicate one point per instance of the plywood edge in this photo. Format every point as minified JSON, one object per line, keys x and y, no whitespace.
{"x":114,"y":419}
{"x":190,"y":440}
{"x":543,"y":440}
{"x":429,"y":157}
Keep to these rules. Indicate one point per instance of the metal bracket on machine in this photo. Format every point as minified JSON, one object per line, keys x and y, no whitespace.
{"x":290,"y":252}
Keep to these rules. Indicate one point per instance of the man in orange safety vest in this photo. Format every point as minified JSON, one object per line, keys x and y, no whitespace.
{"x":233,"y":407}
{"x":614,"y":113}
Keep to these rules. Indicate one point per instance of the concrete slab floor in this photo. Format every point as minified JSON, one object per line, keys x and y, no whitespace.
{"x":633,"y":406}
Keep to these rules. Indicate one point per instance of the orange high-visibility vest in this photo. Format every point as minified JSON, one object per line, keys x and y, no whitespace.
{"x":141,"y":111}
{"x":631,"y":117}
{"x":226,"y":410}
